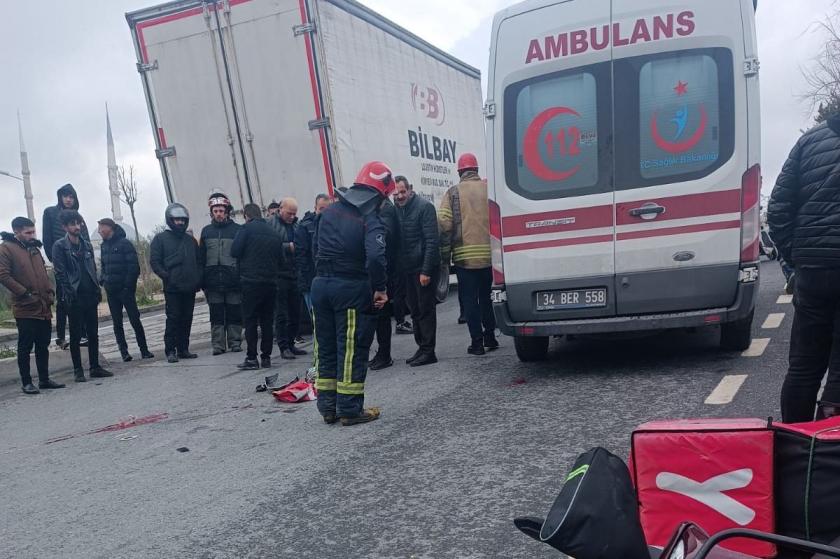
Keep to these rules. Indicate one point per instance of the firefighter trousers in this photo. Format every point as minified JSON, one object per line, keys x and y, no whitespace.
{"x":345,"y":323}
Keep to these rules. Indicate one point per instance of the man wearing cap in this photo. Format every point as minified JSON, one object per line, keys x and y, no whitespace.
{"x":120,"y":270}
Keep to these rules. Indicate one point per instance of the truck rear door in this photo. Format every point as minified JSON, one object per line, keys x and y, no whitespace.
{"x":680,"y":107}
{"x":553,"y":164}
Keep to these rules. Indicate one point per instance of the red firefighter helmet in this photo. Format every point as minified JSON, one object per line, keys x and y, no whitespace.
{"x":378,"y":176}
{"x":467,"y":161}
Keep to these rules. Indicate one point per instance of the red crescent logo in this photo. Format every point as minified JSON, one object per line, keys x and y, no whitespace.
{"x":679,"y":147}
{"x":533,"y":159}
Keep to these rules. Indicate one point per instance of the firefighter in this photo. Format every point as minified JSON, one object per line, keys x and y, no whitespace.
{"x":348,"y":290}
{"x":221,"y":276}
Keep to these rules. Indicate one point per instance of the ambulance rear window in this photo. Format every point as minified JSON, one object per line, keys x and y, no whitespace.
{"x":555,"y":126}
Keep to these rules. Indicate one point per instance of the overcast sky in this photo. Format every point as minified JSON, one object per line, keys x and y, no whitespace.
{"x":61,"y":61}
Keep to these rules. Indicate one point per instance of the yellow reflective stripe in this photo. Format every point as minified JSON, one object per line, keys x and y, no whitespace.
{"x":445,"y":213}
{"x":472,"y":250}
{"x":351,"y":388}
{"x":350,"y":346}
{"x":325,"y":383}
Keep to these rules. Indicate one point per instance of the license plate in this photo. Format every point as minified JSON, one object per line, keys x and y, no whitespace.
{"x":571,"y":299}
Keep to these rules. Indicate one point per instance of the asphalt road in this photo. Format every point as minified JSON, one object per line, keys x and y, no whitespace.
{"x":462,"y":447}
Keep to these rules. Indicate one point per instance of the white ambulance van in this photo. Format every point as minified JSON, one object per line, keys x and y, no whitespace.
{"x":623,"y":142}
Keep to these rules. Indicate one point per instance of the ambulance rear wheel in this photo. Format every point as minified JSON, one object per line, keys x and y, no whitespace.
{"x":737,"y":336}
{"x":531,"y":348}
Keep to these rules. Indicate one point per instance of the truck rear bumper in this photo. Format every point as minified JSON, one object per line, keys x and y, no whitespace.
{"x":743,"y":306}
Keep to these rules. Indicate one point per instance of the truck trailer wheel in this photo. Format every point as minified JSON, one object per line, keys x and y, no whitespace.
{"x":531,"y":348}
{"x":737,"y":336}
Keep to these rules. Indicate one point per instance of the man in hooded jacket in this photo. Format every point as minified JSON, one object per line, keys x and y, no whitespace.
{"x":221,"y":276}
{"x":53,"y":231}
{"x":120,"y":271}
{"x":174,"y":258}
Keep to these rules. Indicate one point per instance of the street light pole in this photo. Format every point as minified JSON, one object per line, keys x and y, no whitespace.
{"x":8,"y":174}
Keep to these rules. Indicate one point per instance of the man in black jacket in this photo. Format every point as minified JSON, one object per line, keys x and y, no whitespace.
{"x":804,"y":219}
{"x":304,"y":257}
{"x":287,"y":306}
{"x":174,"y":258}
{"x":221,"y":277}
{"x":120,"y":270}
{"x":75,"y":271}
{"x":52,"y":232}
{"x":388,"y":217}
{"x":258,"y":250}
{"x":420,"y":265}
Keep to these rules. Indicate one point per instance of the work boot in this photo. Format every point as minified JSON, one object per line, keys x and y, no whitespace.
{"x":172,"y":357}
{"x":414,"y":357}
{"x":297,"y":350}
{"x":287,"y":354}
{"x":99,"y":372}
{"x":490,"y":341}
{"x":477,"y":347}
{"x":79,"y":375}
{"x":126,"y":356}
{"x":30,"y":389}
{"x":49,"y":385}
{"x":265,"y":362}
{"x":424,"y":359}
{"x":249,"y":365}
{"x":234,"y":338}
{"x":146,"y":354}
{"x":186,"y":354}
{"x":329,"y":419}
{"x":404,"y":327}
{"x":368,"y":415}
{"x":380,"y":362}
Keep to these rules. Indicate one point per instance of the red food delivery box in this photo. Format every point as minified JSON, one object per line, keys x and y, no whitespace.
{"x":717,"y":473}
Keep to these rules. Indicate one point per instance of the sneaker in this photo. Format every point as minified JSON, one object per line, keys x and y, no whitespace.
{"x":462,"y":320}
{"x":126,"y":356}
{"x":404,"y":328}
{"x":146,"y":354}
{"x":414,"y":357}
{"x":476,"y":348}
{"x":368,"y":415}
{"x":99,"y":372}
{"x":217,"y":351}
{"x":249,"y":365}
{"x":287,"y":354}
{"x":30,"y":389}
{"x":187,"y":355}
{"x":50,"y":385}
{"x":265,"y":362}
{"x":79,"y":375}
{"x":329,"y":419}
{"x":380,"y":363}
{"x":172,"y":357}
{"x":424,"y":359}
{"x":60,"y":343}
{"x":297,"y":350}
{"x":83,"y":342}
{"x":299,"y":340}
{"x":236,"y":349}
{"x":490,"y":342}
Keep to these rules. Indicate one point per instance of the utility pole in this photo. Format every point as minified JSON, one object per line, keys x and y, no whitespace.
{"x":24,"y":171}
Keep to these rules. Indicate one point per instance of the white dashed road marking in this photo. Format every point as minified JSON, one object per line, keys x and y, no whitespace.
{"x":725,"y":391}
{"x":757,"y":347}
{"x":784,"y":300}
{"x":774,"y":320}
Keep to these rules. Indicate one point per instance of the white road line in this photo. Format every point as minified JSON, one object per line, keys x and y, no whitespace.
{"x":757,"y":347}
{"x":774,"y":320}
{"x":726,"y":389}
{"x":784,"y":300}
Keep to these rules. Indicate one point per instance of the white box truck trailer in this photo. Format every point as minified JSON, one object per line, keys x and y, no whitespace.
{"x":264,"y":99}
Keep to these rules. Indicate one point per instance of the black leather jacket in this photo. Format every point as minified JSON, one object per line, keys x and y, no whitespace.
{"x":68,"y":272}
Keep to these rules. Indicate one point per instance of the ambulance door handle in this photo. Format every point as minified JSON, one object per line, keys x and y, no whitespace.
{"x":648,"y":211}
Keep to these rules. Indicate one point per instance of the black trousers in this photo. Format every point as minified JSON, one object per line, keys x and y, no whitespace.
{"x":117,"y":301}
{"x":474,"y":294}
{"x":398,"y":301}
{"x":287,"y":313}
{"x":258,"y":311}
{"x":422,"y":303}
{"x":61,"y":316}
{"x":82,"y":315}
{"x":33,"y":332}
{"x":814,"y":344}
{"x":384,"y":330}
{"x":179,"y":316}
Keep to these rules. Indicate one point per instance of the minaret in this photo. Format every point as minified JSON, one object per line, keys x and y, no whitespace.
{"x":24,"y":173}
{"x":116,"y":211}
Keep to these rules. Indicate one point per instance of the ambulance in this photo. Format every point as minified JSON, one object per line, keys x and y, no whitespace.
{"x":623,"y":144}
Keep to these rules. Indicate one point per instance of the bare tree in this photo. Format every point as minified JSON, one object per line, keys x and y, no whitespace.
{"x":823,"y":77}
{"x":129,"y":191}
